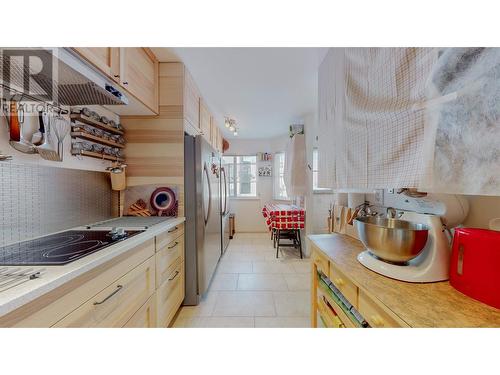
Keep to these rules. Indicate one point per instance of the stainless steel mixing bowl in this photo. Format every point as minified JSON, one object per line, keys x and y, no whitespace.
{"x":392,"y":240}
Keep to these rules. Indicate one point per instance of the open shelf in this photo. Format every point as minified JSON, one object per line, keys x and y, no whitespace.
{"x":97,"y":155}
{"x":95,"y":138}
{"x":90,"y":121}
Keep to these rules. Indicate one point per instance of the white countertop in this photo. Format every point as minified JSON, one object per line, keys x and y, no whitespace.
{"x":55,"y":276}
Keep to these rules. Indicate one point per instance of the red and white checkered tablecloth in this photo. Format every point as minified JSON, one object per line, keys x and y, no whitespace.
{"x":284,"y":216}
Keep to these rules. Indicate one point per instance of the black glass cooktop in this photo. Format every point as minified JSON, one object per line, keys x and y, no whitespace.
{"x":60,"y":248}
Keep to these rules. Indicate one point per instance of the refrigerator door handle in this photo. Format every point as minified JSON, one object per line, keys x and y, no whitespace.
{"x":209,"y":208}
{"x":224,"y":210}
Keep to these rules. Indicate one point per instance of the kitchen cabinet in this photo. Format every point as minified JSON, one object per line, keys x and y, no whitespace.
{"x":139,"y":75}
{"x":331,"y":313}
{"x":380,"y":300}
{"x":142,"y":287}
{"x":191,"y":96}
{"x":170,"y":295}
{"x":50,"y":308}
{"x":134,"y":68}
{"x":215,"y":135}
{"x":169,"y":274}
{"x":205,"y":121}
{"x":106,"y":59}
{"x":116,"y":304}
{"x":145,"y":317}
{"x":164,"y":239}
{"x":167,"y":258}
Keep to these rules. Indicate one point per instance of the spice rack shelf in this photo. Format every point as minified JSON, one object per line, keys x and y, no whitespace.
{"x":97,"y":155}
{"x":95,"y":138}
{"x":98,"y":124}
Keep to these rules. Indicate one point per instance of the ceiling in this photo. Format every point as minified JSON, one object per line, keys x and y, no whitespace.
{"x":263,"y":89}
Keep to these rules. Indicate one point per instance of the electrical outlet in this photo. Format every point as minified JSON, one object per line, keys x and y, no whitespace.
{"x":379,"y":197}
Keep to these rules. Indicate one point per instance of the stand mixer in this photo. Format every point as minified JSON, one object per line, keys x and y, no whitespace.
{"x":416,"y":247}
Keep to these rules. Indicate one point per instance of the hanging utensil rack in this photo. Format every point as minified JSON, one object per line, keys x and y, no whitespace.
{"x":95,"y":138}
{"x":81,"y":134}
{"x":98,"y":124}
{"x":97,"y":155}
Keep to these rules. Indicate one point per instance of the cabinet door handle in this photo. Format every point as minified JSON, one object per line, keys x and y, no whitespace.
{"x":116,"y":76}
{"x":377,"y":321}
{"x":173,"y":230}
{"x":118,"y":288}
{"x":125,"y":83}
{"x":174,"y":245}
{"x":173,"y":277}
{"x":339,"y":282}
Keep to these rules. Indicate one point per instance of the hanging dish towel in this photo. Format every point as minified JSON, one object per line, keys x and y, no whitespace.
{"x":374,"y":129}
{"x":295,"y":166}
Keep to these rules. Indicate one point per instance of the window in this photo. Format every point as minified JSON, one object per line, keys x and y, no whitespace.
{"x":315,"y":169}
{"x":279,"y":177}
{"x":242,"y":175}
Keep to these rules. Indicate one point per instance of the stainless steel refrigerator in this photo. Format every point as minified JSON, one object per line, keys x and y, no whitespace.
{"x":203,"y":216}
{"x":224,"y":194}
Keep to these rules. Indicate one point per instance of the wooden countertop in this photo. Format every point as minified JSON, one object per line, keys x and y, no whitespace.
{"x":419,"y":305}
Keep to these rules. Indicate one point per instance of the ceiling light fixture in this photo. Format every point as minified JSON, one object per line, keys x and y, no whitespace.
{"x":231,"y":125}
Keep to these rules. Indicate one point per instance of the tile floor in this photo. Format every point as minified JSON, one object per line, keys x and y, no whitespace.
{"x":251,"y":288}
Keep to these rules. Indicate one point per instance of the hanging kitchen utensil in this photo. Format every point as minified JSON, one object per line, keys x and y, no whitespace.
{"x":38,"y":137}
{"x":46,"y":150}
{"x":16,"y":119}
{"x":163,"y":201}
{"x":61,"y":130}
{"x":117,"y":173}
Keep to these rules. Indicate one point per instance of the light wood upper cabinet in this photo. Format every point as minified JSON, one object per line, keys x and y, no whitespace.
{"x":205,"y":120}
{"x":106,"y":59}
{"x":134,"y":68}
{"x":214,"y":132}
{"x":191,"y":101}
{"x":139,"y":74}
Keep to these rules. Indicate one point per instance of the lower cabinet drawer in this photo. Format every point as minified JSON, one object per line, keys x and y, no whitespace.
{"x":163,"y":239}
{"x":328,"y":316}
{"x":170,"y":296}
{"x":346,"y":287}
{"x":320,"y":261}
{"x":145,"y":317}
{"x":167,"y":259}
{"x":116,"y":304}
{"x":375,"y":315}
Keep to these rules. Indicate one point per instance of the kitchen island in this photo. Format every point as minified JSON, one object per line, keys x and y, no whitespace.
{"x":138,"y":282}
{"x":382,"y":301}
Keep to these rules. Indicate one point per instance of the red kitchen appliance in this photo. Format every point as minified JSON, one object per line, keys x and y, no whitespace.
{"x":475,"y":264}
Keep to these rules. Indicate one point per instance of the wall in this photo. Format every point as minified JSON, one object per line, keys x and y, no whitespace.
{"x":481,"y":210}
{"x":41,"y":196}
{"x":248,"y":211}
{"x":155,"y":144}
{"x":38,"y":200}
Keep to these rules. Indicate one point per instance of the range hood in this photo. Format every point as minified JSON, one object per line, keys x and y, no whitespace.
{"x":72,"y":81}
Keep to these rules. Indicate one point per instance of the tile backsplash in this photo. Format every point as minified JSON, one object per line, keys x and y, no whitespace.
{"x":37,"y":200}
